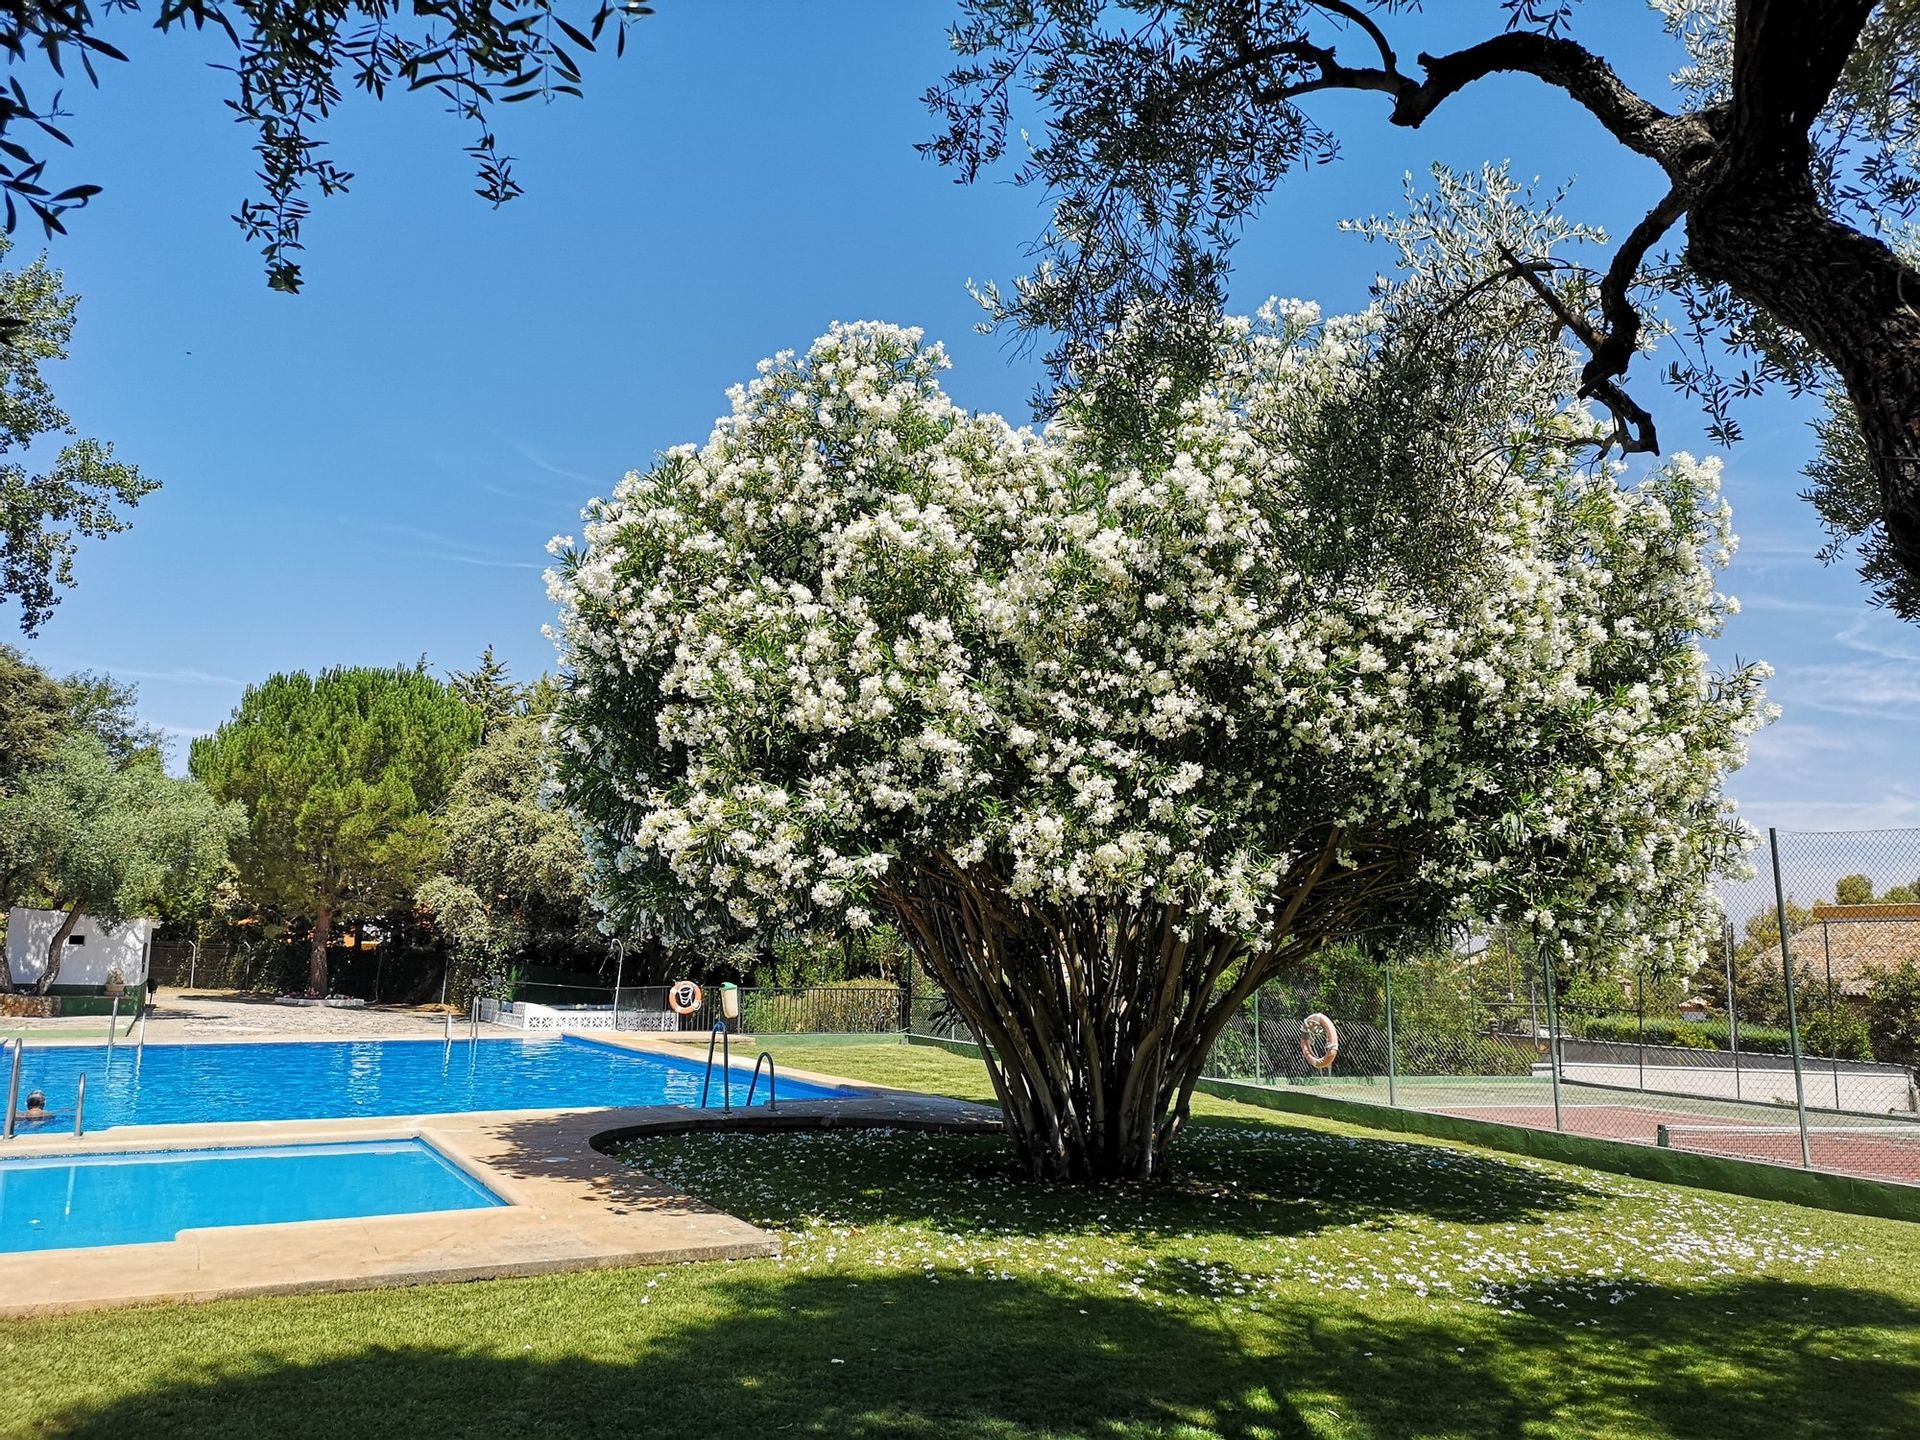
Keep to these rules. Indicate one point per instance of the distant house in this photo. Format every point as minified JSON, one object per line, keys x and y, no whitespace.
{"x":93,"y":949}
{"x":1855,"y":941}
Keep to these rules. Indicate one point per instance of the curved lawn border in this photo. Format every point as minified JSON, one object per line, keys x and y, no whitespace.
{"x":803,"y":1115}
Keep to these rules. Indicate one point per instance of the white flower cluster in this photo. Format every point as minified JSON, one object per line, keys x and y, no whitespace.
{"x":861,"y":632}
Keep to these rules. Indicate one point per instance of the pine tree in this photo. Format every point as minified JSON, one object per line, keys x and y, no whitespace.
{"x":340,"y":775}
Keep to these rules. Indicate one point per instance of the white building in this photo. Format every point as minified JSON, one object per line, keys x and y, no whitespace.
{"x":92,"y":949}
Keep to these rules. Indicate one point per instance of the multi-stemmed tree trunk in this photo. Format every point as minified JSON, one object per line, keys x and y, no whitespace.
{"x":1096,"y":1019}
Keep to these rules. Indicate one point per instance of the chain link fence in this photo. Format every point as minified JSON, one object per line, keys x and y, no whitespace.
{"x":1797,"y":1044}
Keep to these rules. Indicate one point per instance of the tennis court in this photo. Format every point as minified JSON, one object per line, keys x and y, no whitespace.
{"x":1880,"y":1147}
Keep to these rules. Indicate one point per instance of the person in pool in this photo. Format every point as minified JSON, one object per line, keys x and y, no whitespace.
{"x":36,"y":1107}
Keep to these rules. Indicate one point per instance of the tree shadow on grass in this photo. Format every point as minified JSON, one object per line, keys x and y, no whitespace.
{"x":1254,"y":1182}
{"x":758,"y":1352}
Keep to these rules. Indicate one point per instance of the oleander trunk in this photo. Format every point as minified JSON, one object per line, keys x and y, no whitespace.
{"x":1095,"y":1020}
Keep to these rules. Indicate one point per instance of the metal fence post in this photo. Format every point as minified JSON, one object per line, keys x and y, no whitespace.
{"x":1553,"y":1036}
{"x":1833,"y":1011}
{"x":1640,"y":1016}
{"x":906,"y":996}
{"x":1259,"y":1045}
{"x":1733,"y":1022}
{"x":1392,"y":1068}
{"x":1793,"y":1016}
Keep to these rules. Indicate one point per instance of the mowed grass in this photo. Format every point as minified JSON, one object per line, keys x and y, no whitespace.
{"x":1302,"y":1279}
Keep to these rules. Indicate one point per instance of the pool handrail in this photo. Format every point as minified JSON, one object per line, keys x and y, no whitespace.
{"x":80,"y":1106}
{"x":13,"y":1084}
{"x":726,"y":1067}
{"x":772,"y":1096}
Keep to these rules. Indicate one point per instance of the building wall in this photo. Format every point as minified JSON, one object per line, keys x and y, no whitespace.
{"x":100,"y":949}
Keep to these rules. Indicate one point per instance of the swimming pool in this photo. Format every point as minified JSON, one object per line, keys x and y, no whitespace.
{"x":54,"y":1202}
{"x":326,"y":1080}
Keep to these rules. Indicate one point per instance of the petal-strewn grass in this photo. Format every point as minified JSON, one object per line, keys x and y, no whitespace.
{"x":1290,"y":1280}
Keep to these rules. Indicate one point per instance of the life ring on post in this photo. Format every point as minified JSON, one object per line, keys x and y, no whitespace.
{"x":1317,"y":1027}
{"x":684,"y":998}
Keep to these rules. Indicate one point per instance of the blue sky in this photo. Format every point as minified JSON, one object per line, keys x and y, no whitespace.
{"x":369,"y":471}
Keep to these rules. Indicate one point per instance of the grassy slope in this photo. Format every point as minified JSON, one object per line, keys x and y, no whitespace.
{"x":1294,"y":1280}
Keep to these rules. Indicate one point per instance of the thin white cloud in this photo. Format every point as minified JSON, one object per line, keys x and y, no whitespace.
{"x":185,"y":675}
{"x":1765,"y":548}
{"x":489,"y":564}
{"x":540,"y":462}
{"x":1785,"y":743}
{"x":179,"y":732}
{"x":1865,"y":689}
{"x":454,"y":550}
{"x":1786,"y":604}
{"x":1873,"y":633}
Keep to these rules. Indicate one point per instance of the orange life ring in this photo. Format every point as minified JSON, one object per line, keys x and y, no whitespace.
{"x":1317,"y":1023}
{"x":684,"y":998}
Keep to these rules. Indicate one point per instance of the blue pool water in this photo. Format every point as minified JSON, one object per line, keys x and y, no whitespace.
{"x":323,"y":1080}
{"x":55,"y":1201}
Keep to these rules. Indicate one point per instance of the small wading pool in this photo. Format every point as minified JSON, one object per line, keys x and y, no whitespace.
{"x":55,"y":1202}
{"x":334,"y":1079}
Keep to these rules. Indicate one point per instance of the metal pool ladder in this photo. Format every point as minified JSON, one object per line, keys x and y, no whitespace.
{"x":726,"y":1066}
{"x":772,"y":1099}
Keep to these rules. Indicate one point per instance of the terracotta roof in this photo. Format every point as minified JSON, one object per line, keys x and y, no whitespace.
{"x":1858,"y":939}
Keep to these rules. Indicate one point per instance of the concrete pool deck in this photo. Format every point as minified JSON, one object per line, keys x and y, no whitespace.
{"x":570,"y":1205}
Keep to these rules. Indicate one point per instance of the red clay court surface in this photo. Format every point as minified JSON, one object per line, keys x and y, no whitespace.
{"x":1869,"y":1155}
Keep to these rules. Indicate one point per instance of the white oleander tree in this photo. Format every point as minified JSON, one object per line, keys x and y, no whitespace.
{"x":1115,"y":731}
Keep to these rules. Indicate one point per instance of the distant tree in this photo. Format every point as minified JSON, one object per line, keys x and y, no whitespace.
{"x":44,"y":515}
{"x":490,"y":689}
{"x":35,"y":716}
{"x":112,"y":841}
{"x":515,"y":873}
{"x":1794,"y":151}
{"x":39,"y":713}
{"x":1893,"y":1014}
{"x":290,"y":65}
{"x":1853,"y":890}
{"x":340,"y":775}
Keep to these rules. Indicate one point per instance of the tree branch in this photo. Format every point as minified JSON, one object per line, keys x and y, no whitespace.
{"x":1633,"y":429}
{"x":1614,"y":352}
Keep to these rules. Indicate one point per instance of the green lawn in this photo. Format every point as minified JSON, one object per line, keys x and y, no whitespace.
{"x":1294,"y":1280}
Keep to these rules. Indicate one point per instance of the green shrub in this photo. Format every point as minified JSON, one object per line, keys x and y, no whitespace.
{"x":1837,"y":1033}
{"x":1427,"y":1052}
{"x":848,"y":1007}
{"x":1654,"y":1030}
{"x":1232,"y":1057}
{"x":1893,"y":1014}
